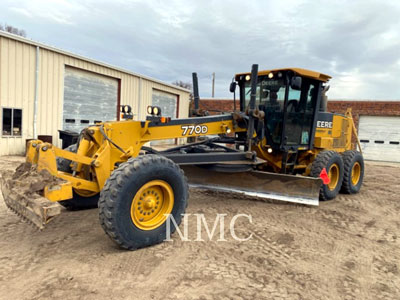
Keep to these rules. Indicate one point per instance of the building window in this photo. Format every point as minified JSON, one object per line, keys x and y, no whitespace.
{"x":12,"y":122}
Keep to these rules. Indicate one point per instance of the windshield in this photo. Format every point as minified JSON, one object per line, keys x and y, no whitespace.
{"x":270,"y":98}
{"x":270,"y":93}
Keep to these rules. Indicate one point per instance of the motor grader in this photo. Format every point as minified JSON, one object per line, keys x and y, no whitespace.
{"x":280,"y":143}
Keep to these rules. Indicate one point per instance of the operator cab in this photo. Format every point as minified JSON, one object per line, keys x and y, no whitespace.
{"x":289,"y":99}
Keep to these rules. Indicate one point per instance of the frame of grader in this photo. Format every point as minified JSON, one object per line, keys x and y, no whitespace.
{"x":281,"y":144}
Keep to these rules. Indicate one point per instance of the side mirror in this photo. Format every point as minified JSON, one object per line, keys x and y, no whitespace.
{"x":232,"y":87}
{"x":295,"y":83}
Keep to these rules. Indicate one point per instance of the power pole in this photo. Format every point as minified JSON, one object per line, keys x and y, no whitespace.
{"x":213,"y":84}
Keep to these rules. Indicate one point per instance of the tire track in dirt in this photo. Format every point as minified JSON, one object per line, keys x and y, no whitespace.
{"x":344,"y":249}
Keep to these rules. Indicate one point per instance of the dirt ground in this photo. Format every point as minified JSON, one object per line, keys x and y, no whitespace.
{"x":348,"y":248}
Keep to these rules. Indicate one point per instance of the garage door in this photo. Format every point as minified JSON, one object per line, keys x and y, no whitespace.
{"x":88,"y":98}
{"x":169,"y":105}
{"x":380,"y":137}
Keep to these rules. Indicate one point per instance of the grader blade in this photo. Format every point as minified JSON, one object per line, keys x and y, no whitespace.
{"x":289,"y":188}
{"x":23,"y":194}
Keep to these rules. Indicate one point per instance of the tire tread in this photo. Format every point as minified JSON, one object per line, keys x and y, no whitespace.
{"x":348,"y":160}
{"x":321,"y":162}
{"x":114,"y":184}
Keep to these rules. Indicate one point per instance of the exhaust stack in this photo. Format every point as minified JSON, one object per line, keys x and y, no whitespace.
{"x":196,"y":96}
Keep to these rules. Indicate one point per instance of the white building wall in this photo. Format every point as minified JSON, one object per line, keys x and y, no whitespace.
{"x":17,"y":88}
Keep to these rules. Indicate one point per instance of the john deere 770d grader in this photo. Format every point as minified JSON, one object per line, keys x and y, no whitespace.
{"x":280,"y":144}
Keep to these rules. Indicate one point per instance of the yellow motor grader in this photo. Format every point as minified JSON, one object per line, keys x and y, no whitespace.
{"x":281,"y":144}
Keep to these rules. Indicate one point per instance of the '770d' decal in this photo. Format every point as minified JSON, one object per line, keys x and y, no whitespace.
{"x":197,"y":129}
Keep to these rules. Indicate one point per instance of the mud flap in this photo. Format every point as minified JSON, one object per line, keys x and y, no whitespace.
{"x":289,"y":188}
{"x":33,"y":208}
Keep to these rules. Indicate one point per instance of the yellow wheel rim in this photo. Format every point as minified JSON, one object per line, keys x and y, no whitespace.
{"x":355,"y":173}
{"x":333,"y":176}
{"x":151,"y":203}
{"x":84,"y":193}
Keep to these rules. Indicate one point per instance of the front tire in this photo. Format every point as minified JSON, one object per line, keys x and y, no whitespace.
{"x":136,"y":197}
{"x":333,"y":163}
{"x":353,"y":172}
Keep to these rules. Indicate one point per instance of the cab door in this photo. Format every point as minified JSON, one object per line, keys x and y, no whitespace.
{"x":299,"y":113}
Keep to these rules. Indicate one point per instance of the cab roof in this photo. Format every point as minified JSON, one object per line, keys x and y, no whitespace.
{"x":299,"y":71}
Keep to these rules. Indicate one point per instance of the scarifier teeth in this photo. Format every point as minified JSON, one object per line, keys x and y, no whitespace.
{"x":23,"y":218}
{"x":37,"y":211}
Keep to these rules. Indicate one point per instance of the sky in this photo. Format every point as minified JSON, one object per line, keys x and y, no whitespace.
{"x":355,"y":42}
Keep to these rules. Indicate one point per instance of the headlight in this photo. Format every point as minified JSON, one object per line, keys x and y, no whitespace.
{"x":247,"y":77}
{"x":271,"y":75}
{"x":127,"y":109}
{"x":156,"y":110}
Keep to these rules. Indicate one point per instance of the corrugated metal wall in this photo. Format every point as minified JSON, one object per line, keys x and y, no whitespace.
{"x":17,"y":85}
{"x":17,"y":89}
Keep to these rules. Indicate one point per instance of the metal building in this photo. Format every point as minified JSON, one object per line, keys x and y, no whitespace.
{"x":44,"y":89}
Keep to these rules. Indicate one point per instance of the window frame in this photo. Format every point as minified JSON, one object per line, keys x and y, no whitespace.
{"x":12,"y":122}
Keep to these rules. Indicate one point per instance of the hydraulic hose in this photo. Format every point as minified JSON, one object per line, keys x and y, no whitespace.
{"x":108,"y":139}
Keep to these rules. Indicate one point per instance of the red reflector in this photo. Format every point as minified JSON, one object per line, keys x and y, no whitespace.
{"x":324,"y":176}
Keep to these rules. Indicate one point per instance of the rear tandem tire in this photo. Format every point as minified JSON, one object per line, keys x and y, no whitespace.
{"x":333,"y":163}
{"x":78,"y":202}
{"x":135,"y":198}
{"x":353,"y":172}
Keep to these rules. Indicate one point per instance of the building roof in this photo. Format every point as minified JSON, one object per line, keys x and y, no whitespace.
{"x":302,"y":72}
{"x":54,"y":49}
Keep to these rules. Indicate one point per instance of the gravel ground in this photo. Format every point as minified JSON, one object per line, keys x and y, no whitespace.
{"x":348,"y":248}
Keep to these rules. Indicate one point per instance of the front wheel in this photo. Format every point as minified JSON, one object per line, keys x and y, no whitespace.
{"x":333,"y":164}
{"x":136,"y":198}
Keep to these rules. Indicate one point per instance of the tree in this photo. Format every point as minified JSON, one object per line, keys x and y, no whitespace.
{"x":13,"y":30}
{"x":186,"y":85}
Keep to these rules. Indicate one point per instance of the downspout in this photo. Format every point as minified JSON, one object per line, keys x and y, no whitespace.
{"x":140,"y":97}
{"x":35,"y":101}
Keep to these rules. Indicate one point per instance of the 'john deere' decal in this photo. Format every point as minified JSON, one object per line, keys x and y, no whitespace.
{"x":324,"y":124}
